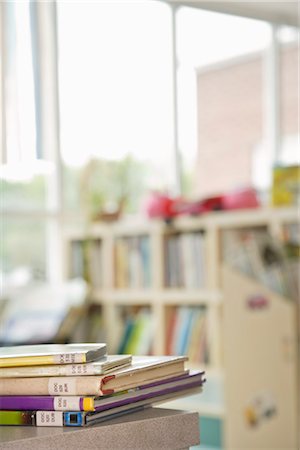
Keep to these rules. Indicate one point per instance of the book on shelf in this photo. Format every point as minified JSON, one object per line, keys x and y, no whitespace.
{"x":146,"y":369}
{"x":34,"y":355}
{"x":107,"y":407}
{"x":257,"y":254}
{"x":105,"y":365}
{"x":79,"y":403}
{"x":185,"y":260}
{"x":138,"y":333}
{"x":132,"y":262}
{"x":77,"y":256}
{"x":286,"y":185}
{"x":94,"y":263}
{"x":186,"y":333}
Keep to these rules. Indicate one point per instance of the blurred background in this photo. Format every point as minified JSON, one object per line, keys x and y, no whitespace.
{"x":150,"y":187}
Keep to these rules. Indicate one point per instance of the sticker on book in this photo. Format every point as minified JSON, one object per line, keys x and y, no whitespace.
{"x":257,"y":302}
{"x":49,"y":418}
{"x":68,"y":358}
{"x":261,"y":408}
{"x":79,"y":369}
{"x":67,"y":403}
{"x":61,"y":386}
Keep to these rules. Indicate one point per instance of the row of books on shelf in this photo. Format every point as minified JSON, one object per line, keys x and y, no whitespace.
{"x":185,"y":257}
{"x":184,"y":261}
{"x":132,"y":262}
{"x":186,"y":332}
{"x":81,"y":385}
{"x":86,"y":261}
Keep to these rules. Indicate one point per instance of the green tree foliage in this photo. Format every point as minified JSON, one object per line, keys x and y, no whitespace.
{"x":105,"y":183}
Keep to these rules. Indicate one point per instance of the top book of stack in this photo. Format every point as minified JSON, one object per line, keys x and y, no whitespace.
{"x":35,"y":355}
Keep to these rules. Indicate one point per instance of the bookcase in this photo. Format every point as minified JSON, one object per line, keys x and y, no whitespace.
{"x":159,"y":288}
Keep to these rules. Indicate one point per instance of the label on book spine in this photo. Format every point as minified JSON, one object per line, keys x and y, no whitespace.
{"x":61,"y":386}
{"x":67,"y":403}
{"x":79,"y":369}
{"x":68,"y":358}
{"x":49,"y":419}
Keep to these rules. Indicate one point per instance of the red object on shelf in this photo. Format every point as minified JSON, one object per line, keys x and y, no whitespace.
{"x":164,"y":207}
{"x":243,"y":198}
{"x":161,"y":206}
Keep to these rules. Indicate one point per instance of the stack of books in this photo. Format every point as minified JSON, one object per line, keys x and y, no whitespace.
{"x":80,"y":384}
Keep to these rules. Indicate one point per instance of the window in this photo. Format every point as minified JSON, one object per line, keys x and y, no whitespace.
{"x":29,"y":181}
{"x":109,"y":136}
{"x":221,"y":98}
{"x":115,"y":101}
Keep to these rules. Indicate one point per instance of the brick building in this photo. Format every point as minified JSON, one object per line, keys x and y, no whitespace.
{"x":231,"y":118}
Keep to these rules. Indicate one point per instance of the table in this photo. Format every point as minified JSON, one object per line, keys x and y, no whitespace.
{"x":152,"y":428}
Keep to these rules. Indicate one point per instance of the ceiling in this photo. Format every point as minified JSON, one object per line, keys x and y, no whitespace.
{"x":277,"y":11}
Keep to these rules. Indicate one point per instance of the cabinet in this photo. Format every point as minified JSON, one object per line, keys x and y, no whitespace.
{"x":162,"y":285}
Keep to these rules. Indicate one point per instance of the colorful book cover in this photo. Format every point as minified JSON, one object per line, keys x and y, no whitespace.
{"x":171,"y":322}
{"x":17,"y":418}
{"x":34,"y":355}
{"x":128,"y":329}
{"x":137,"y":335}
{"x":186,"y":331}
{"x":286,"y":185}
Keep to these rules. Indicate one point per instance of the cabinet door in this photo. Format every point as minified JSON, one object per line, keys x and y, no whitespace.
{"x":261,"y":357}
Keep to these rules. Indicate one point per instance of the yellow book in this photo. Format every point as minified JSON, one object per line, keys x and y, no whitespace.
{"x":39,"y":355}
{"x":286,"y":185}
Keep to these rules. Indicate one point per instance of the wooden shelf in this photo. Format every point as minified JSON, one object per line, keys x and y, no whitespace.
{"x":192,"y":297}
{"x":164,"y":297}
{"x":168,"y":303}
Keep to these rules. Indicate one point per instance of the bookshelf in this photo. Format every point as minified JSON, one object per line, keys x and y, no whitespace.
{"x":165,"y":282}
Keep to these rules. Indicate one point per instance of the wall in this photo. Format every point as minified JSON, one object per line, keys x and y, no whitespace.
{"x":230,"y":119}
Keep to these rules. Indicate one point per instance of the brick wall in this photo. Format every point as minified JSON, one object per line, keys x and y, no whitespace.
{"x":230,"y":119}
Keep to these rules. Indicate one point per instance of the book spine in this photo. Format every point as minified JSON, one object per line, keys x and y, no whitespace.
{"x":54,"y":386}
{"x":46,"y":403}
{"x":43,"y":418}
{"x":49,"y":371}
{"x":59,"y":419}
{"x":63,"y":358}
{"x":17,"y":418}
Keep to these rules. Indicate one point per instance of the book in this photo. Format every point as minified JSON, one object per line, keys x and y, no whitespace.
{"x":104,"y":365}
{"x":286,"y":185}
{"x":35,"y":355}
{"x":143,"y":370}
{"x":117,"y":405}
{"x":140,"y":339}
{"x":77,"y":403}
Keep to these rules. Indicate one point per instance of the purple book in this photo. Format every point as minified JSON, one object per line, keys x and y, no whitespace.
{"x":157,"y":389}
{"x":45,"y":403}
{"x":144,"y":398}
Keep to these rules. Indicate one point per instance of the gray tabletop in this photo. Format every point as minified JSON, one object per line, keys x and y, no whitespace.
{"x":152,"y":428}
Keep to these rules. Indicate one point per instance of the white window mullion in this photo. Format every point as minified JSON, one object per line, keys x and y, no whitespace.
{"x":48,"y":81}
{"x":176,"y":151}
{"x":2,"y":90}
{"x":272,"y":97}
